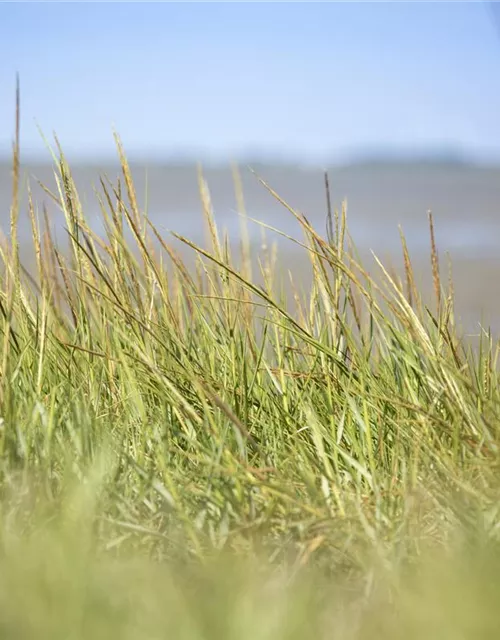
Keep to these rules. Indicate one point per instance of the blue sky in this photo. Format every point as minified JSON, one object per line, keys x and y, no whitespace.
{"x":308,"y":80}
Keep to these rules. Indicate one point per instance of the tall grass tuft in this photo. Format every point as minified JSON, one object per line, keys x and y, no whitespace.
{"x":160,"y":420}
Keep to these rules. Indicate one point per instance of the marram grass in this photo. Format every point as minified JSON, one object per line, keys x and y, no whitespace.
{"x":187,"y":453}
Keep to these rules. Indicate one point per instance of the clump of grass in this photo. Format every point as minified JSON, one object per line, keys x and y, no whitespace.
{"x":346,"y":433}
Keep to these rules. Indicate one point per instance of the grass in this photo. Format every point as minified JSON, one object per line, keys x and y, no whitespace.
{"x":188,"y":453}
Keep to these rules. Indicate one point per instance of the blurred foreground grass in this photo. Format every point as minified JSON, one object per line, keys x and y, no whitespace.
{"x":185,"y":453}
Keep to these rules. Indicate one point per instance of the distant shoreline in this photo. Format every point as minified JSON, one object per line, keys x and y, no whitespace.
{"x":385,"y":161}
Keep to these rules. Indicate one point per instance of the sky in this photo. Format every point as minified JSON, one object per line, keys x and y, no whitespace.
{"x":310,"y":81}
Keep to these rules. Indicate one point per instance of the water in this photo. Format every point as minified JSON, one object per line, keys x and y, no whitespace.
{"x":465,"y":201}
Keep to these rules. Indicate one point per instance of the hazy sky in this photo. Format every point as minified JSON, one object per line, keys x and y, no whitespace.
{"x":315,"y":80}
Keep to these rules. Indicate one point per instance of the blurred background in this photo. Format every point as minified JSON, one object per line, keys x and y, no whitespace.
{"x":400,"y":102}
